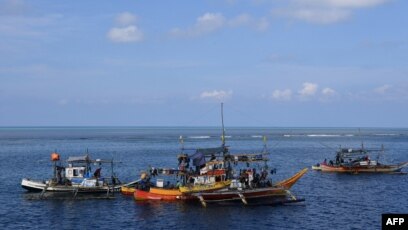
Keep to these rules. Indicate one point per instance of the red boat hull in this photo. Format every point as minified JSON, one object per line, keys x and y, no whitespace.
{"x":364,"y":169}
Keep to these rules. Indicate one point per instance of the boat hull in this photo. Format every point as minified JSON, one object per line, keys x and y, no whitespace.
{"x":246,"y":196}
{"x":42,"y":186}
{"x":200,"y":188}
{"x":364,"y":169}
{"x":157,"y":194}
{"x":127,"y":191}
{"x":263,"y":195}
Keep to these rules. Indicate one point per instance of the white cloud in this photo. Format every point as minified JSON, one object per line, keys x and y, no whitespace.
{"x":319,"y":16}
{"x":127,"y":31}
{"x":382,"y":89}
{"x":323,"y":11}
{"x":205,"y":24}
{"x":282,"y":95}
{"x":216,"y":94}
{"x":309,"y":89}
{"x":126,"y":19}
{"x":212,"y":22}
{"x":328,"y":92}
{"x":125,"y":34}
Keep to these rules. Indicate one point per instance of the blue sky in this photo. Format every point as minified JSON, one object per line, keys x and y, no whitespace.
{"x":340,"y":63}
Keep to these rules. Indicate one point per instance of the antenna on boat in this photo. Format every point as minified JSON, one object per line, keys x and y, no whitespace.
{"x":381,"y":152}
{"x":362,"y":142}
{"x":181,"y":143}
{"x":265,"y":150}
{"x":222,"y":123}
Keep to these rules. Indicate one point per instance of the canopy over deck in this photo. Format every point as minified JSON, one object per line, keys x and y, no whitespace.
{"x":86,"y":159}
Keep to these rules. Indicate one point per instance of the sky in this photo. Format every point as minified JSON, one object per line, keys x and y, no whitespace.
{"x":274,"y":63}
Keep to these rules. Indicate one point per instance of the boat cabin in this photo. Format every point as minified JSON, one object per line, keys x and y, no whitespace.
{"x":74,"y":172}
{"x":213,"y":168}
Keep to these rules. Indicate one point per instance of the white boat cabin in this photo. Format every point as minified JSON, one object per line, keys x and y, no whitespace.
{"x":212,"y":165}
{"x":74,"y":172}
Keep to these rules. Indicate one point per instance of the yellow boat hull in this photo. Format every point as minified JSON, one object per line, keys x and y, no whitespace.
{"x":205,"y":187}
{"x":164,"y":191}
{"x":127,"y":190}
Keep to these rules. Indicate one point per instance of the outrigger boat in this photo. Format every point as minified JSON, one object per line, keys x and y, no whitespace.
{"x":358,"y":160}
{"x":75,"y":178}
{"x":188,"y":181}
{"x":254,"y":195}
{"x":217,"y":180}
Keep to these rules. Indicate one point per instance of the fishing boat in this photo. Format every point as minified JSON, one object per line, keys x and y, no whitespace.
{"x":218,"y":176}
{"x":75,"y":178}
{"x":359,"y":160}
{"x":256,"y":194}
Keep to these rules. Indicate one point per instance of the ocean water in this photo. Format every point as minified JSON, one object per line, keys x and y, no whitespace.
{"x":333,"y":201}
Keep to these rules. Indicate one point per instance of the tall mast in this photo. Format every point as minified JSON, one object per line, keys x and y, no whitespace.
{"x":222,"y":122}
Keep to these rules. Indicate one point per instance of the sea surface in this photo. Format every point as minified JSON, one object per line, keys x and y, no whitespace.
{"x":333,"y":201}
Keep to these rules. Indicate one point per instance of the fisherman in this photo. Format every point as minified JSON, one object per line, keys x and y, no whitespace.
{"x":59,"y":177}
{"x":255,"y":181}
{"x":97,"y":172}
{"x":213,"y":157}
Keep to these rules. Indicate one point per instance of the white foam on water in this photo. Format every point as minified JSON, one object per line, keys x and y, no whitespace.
{"x":323,"y":135}
{"x":199,"y":137}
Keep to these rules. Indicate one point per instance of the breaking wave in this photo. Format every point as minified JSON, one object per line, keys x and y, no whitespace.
{"x":199,"y":137}
{"x":323,"y":135}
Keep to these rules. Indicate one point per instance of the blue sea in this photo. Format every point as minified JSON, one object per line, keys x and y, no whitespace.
{"x":333,"y":201}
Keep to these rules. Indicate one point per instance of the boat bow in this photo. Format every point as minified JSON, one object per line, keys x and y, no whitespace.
{"x":288,"y":183}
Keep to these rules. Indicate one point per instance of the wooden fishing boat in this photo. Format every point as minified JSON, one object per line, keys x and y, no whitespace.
{"x":75,"y":178}
{"x":251,"y":195}
{"x":364,"y":168}
{"x":218,"y":176}
{"x":358,"y":161}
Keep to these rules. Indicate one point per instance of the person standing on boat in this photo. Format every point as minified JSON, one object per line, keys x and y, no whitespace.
{"x":97,"y":172}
